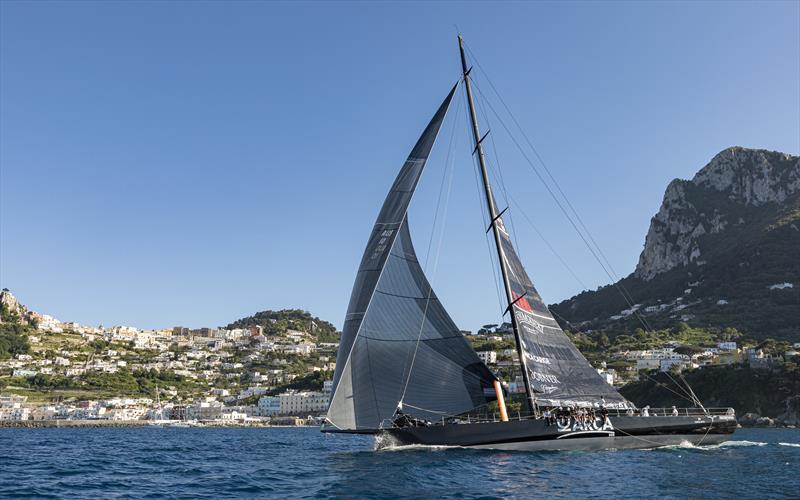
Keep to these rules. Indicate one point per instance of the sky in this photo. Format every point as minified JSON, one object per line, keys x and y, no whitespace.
{"x":191,"y":163}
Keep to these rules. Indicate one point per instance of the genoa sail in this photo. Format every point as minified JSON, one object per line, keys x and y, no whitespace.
{"x":558,"y":374}
{"x":395,"y":322}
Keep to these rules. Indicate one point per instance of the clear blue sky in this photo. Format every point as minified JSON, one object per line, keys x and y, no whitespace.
{"x":194,"y":162}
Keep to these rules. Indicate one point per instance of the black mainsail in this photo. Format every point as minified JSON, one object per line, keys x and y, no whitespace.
{"x":395,"y":321}
{"x":558,"y":374}
{"x":553,"y":370}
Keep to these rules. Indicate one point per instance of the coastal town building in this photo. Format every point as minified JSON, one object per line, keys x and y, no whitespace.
{"x":298,"y":403}
{"x":488,"y":357}
{"x":269,"y":406}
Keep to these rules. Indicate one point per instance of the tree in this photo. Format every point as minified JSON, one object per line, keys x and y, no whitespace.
{"x":13,"y":340}
{"x":681,"y":328}
{"x":730,"y":334}
{"x":688,"y":350}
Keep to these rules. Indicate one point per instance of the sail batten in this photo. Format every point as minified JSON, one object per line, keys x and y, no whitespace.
{"x":395,"y":319}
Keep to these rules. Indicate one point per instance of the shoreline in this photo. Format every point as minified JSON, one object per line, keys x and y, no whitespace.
{"x":98,"y":424}
{"x":89,"y":424}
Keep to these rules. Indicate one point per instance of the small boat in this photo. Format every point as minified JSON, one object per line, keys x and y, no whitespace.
{"x":406,"y":374}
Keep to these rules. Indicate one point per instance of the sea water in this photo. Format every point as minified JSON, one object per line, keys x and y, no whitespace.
{"x":303,"y":463}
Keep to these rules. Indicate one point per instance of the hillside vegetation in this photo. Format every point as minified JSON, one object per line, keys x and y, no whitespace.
{"x":280,"y":322}
{"x":773,"y":393}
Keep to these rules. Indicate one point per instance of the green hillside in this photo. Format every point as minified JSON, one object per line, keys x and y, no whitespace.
{"x":773,"y":393}
{"x":279,"y":322}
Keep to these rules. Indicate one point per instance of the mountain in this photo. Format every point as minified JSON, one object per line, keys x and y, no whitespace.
{"x":722,"y":251}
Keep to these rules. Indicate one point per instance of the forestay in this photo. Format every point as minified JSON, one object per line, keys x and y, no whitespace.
{"x":394,"y":317}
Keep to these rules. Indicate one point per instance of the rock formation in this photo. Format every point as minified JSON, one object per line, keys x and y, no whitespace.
{"x":747,"y":177}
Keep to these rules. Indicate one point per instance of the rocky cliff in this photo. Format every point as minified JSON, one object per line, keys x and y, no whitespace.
{"x":745,"y":177}
{"x":11,"y":311}
{"x":723,"y":250}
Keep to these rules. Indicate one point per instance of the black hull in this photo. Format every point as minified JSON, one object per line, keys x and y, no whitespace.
{"x":618,"y":432}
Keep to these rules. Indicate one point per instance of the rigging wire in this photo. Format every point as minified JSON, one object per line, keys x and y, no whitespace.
{"x":544,"y":182}
{"x":691,"y":391}
{"x":496,"y":170}
{"x":596,"y":252}
{"x":565,"y":320}
{"x":510,"y":200}
{"x":449,"y":166}
{"x":607,"y":267}
{"x":484,"y":217}
{"x":544,"y":165}
{"x":679,"y":386}
{"x":665,"y":386}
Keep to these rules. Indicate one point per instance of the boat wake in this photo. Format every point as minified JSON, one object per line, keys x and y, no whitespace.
{"x":793,"y":445}
{"x":385,"y":442}
{"x":726,"y":444}
{"x":686,"y":445}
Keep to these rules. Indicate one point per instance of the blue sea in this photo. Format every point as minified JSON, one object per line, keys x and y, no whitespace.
{"x":303,"y":463}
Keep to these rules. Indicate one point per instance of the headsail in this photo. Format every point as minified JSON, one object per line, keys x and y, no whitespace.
{"x":394,"y":317}
{"x":557,"y":371}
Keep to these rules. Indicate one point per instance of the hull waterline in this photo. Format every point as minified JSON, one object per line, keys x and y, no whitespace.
{"x":531,"y":435}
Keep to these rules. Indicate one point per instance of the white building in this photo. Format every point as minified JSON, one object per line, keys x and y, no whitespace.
{"x":253,"y":391}
{"x":234,"y":415}
{"x":648,"y":363}
{"x":269,"y":406}
{"x":299,"y":349}
{"x":12,"y":407}
{"x":298,"y":403}
{"x":205,"y":410}
{"x":15,"y":413}
{"x":608,"y":376}
{"x":488,"y":357}
{"x":49,"y":323}
{"x":681,"y":364}
{"x":651,"y":359}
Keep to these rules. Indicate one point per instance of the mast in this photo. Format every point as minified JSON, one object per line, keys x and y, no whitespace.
{"x":476,"y":134}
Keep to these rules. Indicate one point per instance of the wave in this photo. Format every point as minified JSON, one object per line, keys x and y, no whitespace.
{"x":406,"y":447}
{"x":741,"y":443}
{"x":725,"y":444}
{"x":793,"y":445}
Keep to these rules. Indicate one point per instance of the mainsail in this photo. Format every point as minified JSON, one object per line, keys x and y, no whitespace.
{"x":558,"y":374}
{"x":554,"y":371}
{"x":395,"y":321}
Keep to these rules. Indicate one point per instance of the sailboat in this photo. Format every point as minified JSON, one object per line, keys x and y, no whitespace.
{"x":406,"y":374}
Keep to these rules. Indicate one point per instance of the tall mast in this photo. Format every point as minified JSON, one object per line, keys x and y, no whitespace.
{"x":493,"y":216}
